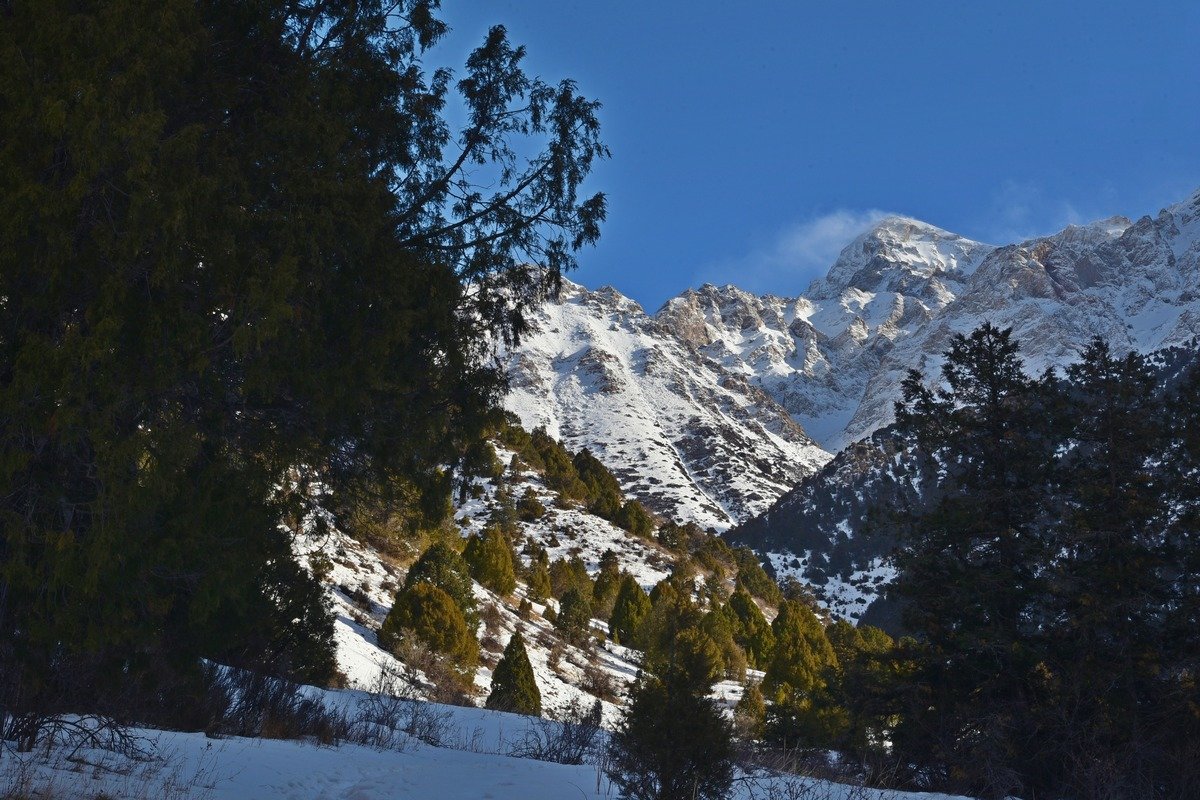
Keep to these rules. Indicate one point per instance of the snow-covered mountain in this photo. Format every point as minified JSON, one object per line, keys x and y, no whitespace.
{"x":715,"y":405}
{"x":816,"y":353}
{"x":687,"y":436}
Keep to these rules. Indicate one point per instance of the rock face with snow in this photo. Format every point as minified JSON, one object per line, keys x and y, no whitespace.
{"x":690,"y":438}
{"x":815,"y":354}
{"x":722,"y":400}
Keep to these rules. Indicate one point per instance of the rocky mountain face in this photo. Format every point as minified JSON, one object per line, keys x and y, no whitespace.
{"x":689,"y":438}
{"x":716,"y":405}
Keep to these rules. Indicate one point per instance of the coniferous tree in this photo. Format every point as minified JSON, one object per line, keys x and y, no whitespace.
{"x":696,"y":657}
{"x":754,"y":578}
{"x":236,"y":241}
{"x":972,"y":567}
{"x":867,"y":670}
{"x":754,"y":633}
{"x":797,"y":676}
{"x":634,"y":518}
{"x":606,"y":585}
{"x":539,"y":577}
{"x":558,"y":467}
{"x":529,"y":508}
{"x":603,"y":491}
{"x":750,"y":714}
{"x":574,"y":614}
{"x":443,"y":567}
{"x":629,"y":612}
{"x":1177,"y":763}
{"x":671,"y":613}
{"x":802,"y":657}
{"x":490,"y":560}
{"x":1104,"y":653}
{"x":432,"y":616}
{"x":673,"y":743}
{"x":514,"y":687}
{"x":721,"y":624}
{"x":570,"y":573}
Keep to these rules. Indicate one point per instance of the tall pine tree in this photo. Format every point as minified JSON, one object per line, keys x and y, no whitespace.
{"x":972,"y":566}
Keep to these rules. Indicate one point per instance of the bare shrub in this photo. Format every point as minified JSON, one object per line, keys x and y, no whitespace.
{"x":599,"y":683}
{"x":390,"y":717}
{"x":571,"y":741}
{"x":491,"y":617}
{"x":271,"y":708}
{"x":444,"y":682}
{"x":554,"y":659}
{"x":358,"y":596}
{"x":72,"y":731}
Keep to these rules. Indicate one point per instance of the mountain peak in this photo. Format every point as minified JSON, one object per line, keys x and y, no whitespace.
{"x":902,"y":228}
{"x":896,"y":252}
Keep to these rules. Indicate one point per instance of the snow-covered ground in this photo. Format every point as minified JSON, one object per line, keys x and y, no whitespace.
{"x":476,"y":763}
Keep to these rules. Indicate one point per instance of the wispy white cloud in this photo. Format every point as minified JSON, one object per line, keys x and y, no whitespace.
{"x":795,"y":255}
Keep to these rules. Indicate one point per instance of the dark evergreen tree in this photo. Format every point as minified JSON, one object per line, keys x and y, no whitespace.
{"x":1112,"y":577}
{"x":432,"y":616}
{"x":570,"y":573}
{"x":634,"y":518}
{"x":443,"y":567}
{"x":513,"y":685}
{"x":802,"y":658}
{"x":574,"y":614}
{"x":722,"y":625}
{"x":504,"y":514}
{"x":629,"y":611}
{"x":557,"y":467}
{"x":797,"y":676}
{"x":490,"y":559}
{"x":696,"y":657}
{"x":753,"y":634}
{"x":603,"y":492}
{"x":867,"y":671}
{"x":539,"y":577}
{"x":1178,"y":762}
{"x":673,"y":744}
{"x":671,"y":613}
{"x":236,"y":241}
{"x":972,"y":567}
{"x":750,"y":714}
{"x":754,"y":578}
{"x":606,"y":585}
{"x":529,"y":508}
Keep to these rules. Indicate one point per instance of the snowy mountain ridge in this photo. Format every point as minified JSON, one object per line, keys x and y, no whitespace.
{"x":715,"y":405}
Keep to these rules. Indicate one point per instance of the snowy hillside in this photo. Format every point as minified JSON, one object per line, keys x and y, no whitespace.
{"x":362,"y":584}
{"x":422,"y":749}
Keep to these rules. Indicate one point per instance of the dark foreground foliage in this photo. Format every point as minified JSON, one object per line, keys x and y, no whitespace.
{"x":1053,"y":586}
{"x":245,"y":266}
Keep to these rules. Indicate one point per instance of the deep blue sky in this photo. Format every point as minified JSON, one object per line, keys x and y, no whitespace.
{"x":751,"y":140}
